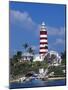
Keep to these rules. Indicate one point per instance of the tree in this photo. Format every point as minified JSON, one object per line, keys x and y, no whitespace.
{"x":19,"y":55}
{"x":11,"y":66}
{"x":15,"y":59}
{"x":63,"y":56}
{"x":31,"y":51}
{"x":25,"y":46}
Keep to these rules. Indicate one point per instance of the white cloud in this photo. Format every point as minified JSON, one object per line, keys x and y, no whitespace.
{"x":22,"y":18}
{"x":59,"y":41}
{"x":56,"y":31}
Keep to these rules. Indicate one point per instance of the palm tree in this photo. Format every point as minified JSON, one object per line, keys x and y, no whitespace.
{"x":25,"y":46}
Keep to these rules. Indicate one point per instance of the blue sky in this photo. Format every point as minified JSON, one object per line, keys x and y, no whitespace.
{"x":25,"y":20}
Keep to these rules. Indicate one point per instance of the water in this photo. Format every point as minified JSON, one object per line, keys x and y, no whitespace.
{"x":38,"y":83}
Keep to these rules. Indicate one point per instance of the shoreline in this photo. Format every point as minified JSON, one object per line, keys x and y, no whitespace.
{"x":53,"y":78}
{"x":57,"y":78}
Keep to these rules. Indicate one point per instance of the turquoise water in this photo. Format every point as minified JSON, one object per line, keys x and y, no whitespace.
{"x":38,"y":83}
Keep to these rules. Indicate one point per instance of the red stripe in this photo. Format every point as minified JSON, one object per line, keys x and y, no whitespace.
{"x":43,"y":42}
{"x":46,"y":47}
{"x":42,"y":52}
{"x":43,"y":38}
{"x":43,"y":32}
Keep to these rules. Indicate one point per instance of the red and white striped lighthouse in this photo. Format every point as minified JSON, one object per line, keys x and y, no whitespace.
{"x":43,"y":40}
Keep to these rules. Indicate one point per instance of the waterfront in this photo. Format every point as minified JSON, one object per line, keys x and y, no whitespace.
{"x":38,"y":83}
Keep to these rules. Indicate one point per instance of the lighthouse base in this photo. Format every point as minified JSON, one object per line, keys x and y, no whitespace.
{"x":38,"y":58}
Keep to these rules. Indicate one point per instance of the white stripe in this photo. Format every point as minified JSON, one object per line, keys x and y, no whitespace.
{"x":43,"y":26}
{"x":41,"y":54}
{"x":43,"y":29}
{"x":43,"y":45}
{"x":43,"y":50}
{"x":43,"y":40}
{"x":43,"y":36}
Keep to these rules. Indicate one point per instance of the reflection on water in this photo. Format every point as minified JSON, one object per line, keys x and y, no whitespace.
{"x":38,"y":83}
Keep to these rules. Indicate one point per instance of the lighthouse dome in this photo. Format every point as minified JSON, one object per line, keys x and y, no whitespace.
{"x":43,"y":28}
{"x":43,"y":24}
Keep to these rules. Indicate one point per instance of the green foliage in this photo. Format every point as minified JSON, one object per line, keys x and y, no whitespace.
{"x":19,"y":55}
{"x":15,"y":59}
{"x":63,"y":62}
{"x":25,"y":67}
{"x":22,"y":68}
{"x":57,"y":70}
{"x":63,"y":56}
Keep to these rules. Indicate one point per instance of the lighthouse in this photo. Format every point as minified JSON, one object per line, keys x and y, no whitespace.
{"x":43,"y":47}
{"x":43,"y":40}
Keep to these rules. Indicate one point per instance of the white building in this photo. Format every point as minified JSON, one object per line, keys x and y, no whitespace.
{"x":37,"y":57}
{"x":26,"y":57}
{"x":41,"y":70}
